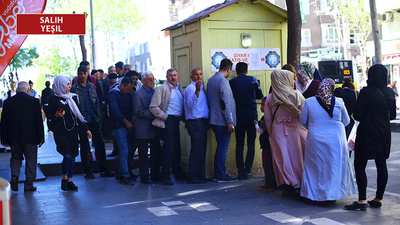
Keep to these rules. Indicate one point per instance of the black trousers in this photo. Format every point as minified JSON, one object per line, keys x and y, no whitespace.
{"x":245,"y":125}
{"x":100,"y":148}
{"x":18,"y":151}
{"x":143,"y":148}
{"x":171,"y":152}
{"x":197,"y":130}
{"x":360,"y":163}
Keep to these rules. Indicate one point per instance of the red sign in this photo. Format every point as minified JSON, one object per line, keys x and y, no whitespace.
{"x":53,"y":24}
{"x":10,"y":41}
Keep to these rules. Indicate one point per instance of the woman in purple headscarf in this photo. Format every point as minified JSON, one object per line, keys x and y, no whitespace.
{"x":65,"y":117}
{"x":308,"y":79}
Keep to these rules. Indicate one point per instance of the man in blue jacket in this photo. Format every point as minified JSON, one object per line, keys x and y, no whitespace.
{"x":245,"y":91}
{"x":121,"y":120}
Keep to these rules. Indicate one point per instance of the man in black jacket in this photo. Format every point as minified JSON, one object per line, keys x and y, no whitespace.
{"x":46,"y":94}
{"x":22,"y":130}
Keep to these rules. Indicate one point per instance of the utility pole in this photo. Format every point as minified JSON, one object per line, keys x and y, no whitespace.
{"x":93,"y":47}
{"x":375,"y":32}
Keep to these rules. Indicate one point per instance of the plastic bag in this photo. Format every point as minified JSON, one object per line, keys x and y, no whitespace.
{"x":351,"y":141}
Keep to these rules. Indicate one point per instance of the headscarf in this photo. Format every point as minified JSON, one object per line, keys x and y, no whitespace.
{"x":60,"y":89}
{"x":325,"y":95}
{"x":305,"y":73}
{"x":377,"y":76}
{"x":283,"y":92}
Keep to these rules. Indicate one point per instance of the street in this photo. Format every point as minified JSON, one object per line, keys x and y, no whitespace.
{"x":105,"y":201}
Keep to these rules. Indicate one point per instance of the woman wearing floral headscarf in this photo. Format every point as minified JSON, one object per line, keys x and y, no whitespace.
{"x":64,"y":116}
{"x":327,"y":174}
{"x":287,"y":136}
{"x":308,"y":79}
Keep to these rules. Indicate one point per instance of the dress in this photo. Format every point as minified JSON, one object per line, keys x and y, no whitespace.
{"x":328,"y":173}
{"x":287,"y":139}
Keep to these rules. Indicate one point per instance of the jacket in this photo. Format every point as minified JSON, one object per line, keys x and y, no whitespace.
{"x":77,"y":88}
{"x":21,"y":120}
{"x":143,"y":127}
{"x":160,"y":101}
{"x":120,"y":107}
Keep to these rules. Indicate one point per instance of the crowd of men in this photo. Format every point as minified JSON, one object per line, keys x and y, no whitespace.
{"x":130,"y":111}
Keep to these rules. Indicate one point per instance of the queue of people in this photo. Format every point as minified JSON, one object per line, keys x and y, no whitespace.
{"x":303,"y":130}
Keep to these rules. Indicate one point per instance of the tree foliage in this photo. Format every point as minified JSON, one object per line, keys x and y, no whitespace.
{"x":57,"y":63}
{"x":23,"y":58}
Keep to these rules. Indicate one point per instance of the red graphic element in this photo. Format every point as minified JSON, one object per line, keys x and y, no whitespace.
{"x":262,"y":59}
{"x":10,"y":42}
{"x":51,"y":24}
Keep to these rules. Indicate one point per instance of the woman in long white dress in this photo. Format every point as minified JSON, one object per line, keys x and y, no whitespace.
{"x":327,"y":173}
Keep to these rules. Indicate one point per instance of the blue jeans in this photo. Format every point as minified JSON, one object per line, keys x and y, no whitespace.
{"x":123,"y":138}
{"x":68,"y":166}
{"x":223,"y":138}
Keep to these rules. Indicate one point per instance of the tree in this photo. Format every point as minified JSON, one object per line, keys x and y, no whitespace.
{"x":294,"y":32}
{"x":23,"y":58}
{"x":57,"y":63}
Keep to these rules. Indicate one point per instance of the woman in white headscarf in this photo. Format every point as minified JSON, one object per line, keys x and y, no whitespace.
{"x":65,"y":117}
{"x":328,"y":174}
{"x":287,"y":136}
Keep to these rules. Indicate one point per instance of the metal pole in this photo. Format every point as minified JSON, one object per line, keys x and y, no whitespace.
{"x":375,"y":32}
{"x":93,"y":47}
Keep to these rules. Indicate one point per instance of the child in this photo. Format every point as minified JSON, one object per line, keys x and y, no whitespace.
{"x":270,"y":184}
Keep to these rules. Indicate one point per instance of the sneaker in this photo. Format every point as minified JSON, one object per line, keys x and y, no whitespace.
{"x":107,"y":174}
{"x":14,"y":183}
{"x":72,"y":186}
{"x":89,"y":176}
{"x":64,"y":185}
{"x":126,"y":180}
{"x":226,"y":178}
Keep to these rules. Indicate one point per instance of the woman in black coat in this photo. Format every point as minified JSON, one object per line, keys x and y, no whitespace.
{"x":65,"y":118}
{"x":375,"y":107}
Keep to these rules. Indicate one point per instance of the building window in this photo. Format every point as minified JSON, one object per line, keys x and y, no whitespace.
{"x":305,"y":7}
{"x":353,"y":37}
{"x":329,"y":34}
{"x":306,"y":37}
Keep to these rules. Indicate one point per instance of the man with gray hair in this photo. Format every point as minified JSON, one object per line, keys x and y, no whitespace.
{"x":146,"y":132}
{"x":167,"y":106}
{"x":22,"y":129}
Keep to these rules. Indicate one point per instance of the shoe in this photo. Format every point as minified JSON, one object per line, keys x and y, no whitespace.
{"x":288,"y":193}
{"x":356,"y":206}
{"x":374,"y":204}
{"x":147,"y":182}
{"x":167,"y":181}
{"x":64,"y":185}
{"x":226,"y":178}
{"x":127,"y":181}
{"x":89,"y":176}
{"x":72,"y":186}
{"x":243,"y":176}
{"x":107,"y":174}
{"x":32,"y":189}
{"x":195,"y":181}
{"x":113,"y":154}
{"x":268,"y":187}
{"x":14,"y":183}
{"x":180,"y":175}
{"x":134,"y":175}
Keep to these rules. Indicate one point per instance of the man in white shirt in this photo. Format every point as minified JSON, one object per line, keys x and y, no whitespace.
{"x":167,"y":105}
{"x":196,"y":112}
{"x":11,"y":92}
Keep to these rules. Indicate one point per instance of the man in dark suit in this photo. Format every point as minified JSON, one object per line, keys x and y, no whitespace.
{"x":145,"y":131}
{"x":22,"y":130}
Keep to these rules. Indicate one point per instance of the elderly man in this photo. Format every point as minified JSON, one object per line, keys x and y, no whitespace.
{"x":22,"y":130}
{"x":127,"y":67}
{"x":222,"y":117}
{"x":145,"y":131}
{"x":167,"y":106}
{"x":89,"y":107}
{"x":121,"y":120}
{"x":196,"y":112}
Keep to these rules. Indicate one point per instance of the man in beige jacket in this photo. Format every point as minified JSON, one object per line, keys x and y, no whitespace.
{"x":167,"y":105}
